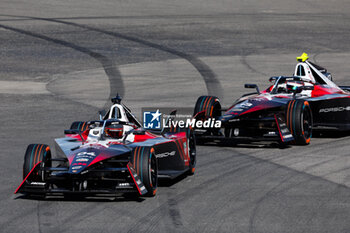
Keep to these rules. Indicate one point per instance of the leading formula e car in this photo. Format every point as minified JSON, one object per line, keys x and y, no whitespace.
{"x":288,"y":111}
{"x":108,"y":156}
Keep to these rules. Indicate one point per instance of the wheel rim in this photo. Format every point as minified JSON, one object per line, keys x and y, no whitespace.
{"x":153,"y":171}
{"x":307,"y":123}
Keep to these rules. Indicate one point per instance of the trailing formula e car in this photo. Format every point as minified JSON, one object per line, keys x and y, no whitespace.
{"x":288,"y":111}
{"x":108,"y":156}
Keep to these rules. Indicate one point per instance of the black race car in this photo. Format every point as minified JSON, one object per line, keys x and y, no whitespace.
{"x":288,"y":111}
{"x":108,"y":156}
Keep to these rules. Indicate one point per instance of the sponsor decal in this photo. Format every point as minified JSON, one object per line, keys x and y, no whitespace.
{"x":284,"y":130}
{"x":226,"y":116}
{"x":165,"y":154}
{"x":74,"y":164}
{"x":83,"y":154}
{"x":76,"y":167}
{"x":82,"y":160}
{"x":37,"y":183}
{"x":259,"y":99}
{"x":246,"y":105}
{"x":335,"y":109}
{"x":124,"y":184}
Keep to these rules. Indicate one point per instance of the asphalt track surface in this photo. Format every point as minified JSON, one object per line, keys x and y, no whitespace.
{"x":62,"y":60}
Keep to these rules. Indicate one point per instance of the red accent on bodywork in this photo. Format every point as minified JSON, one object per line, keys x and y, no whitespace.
{"x":146,"y":136}
{"x":85,"y":135}
{"x":255,"y":108}
{"x":320,"y":90}
{"x":70,"y":159}
{"x":178,"y":135}
{"x":268,"y":90}
{"x":177,"y":142}
{"x":31,"y":171}
{"x":198,"y":114}
{"x":99,"y":158}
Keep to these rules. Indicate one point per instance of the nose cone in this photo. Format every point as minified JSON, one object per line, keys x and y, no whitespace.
{"x":90,"y":154}
{"x":251,"y":105}
{"x":81,"y":160}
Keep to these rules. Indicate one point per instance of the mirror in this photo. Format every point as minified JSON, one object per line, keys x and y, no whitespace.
{"x":252,"y":86}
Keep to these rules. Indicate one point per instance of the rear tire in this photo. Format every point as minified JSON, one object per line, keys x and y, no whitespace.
{"x":299,"y":121}
{"x":36,"y":153}
{"x":146,"y":166}
{"x":211,"y":107}
{"x":210,"y":104}
{"x":79,"y":125}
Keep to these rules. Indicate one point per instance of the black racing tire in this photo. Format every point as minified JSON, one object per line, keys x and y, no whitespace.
{"x":79,"y":125}
{"x":146,"y":166}
{"x":212,"y":109}
{"x":36,"y":153}
{"x":191,"y":143}
{"x":299,"y":121}
{"x":210,"y":104}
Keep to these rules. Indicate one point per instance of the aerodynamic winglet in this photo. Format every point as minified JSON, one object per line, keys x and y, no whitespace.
{"x":31,"y":171}
{"x":139,"y":185}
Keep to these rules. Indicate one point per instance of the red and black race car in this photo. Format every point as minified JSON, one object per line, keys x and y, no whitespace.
{"x":288,"y":111}
{"x":108,"y":156}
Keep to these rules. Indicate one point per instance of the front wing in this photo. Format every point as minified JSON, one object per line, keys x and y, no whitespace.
{"x":271,"y":128}
{"x":92,"y":182}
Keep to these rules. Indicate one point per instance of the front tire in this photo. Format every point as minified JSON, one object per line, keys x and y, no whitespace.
{"x":36,"y":153}
{"x":146,"y":166}
{"x":299,"y":121}
{"x":210,"y":105}
{"x":79,"y":125}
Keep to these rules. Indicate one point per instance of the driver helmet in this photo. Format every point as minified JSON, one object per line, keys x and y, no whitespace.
{"x":114,"y":131}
